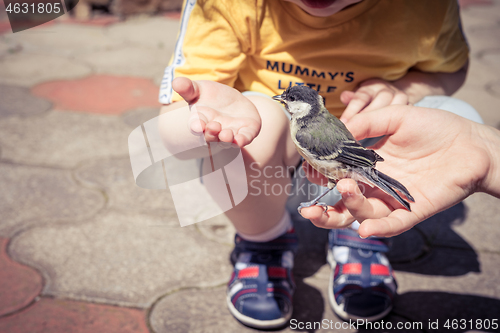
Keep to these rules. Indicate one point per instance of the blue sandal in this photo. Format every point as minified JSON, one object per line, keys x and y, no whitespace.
{"x":260,"y":291}
{"x":362,"y":284}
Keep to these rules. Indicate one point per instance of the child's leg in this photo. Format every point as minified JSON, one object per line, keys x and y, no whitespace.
{"x":260,"y":291}
{"x":268,"y":161}
{"x":451,"y":104}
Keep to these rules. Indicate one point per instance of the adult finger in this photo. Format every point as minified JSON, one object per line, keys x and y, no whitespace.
{"x":385,"y":121}
{"x":333,"y":218}
{"x":396,"y":223}
{"x":358,"y":205}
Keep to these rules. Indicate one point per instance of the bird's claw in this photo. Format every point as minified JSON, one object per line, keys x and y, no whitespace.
{"x":312,"y":203}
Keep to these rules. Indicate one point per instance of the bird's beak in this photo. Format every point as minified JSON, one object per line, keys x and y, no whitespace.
{"x":278,"y":98}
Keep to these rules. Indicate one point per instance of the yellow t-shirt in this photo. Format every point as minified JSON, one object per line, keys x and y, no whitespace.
{"x":267,"y":45}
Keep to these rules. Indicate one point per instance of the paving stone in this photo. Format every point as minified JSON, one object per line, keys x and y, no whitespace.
{"x":161,"y":32}
{"x":162,"y":36}
{"x":471,"y":20}
{"x":479,"y":74}
{"x":103,"y":94}
{"x":18,"y":101}
{"x":33,"y":195}
{"x":121,"y":258}
{"x":62,"y":139}
{"x":194,"y":311}
{"x":57,"y":315}
{"x":480,"y":229}
{"x":484,"y":102}
{"x":485,"y":12}
{"x":439,"y":230}
{"x":97,"y":20}
{"x":63,"y":40}
{"x":433,"y":310}
{"x":470,"y":296}
{"x":20,"y":284}
{"x":218,"y":229}
{"x":114,"y":177}
{"x":494,"y":88}
{"x":148,"y":62}
{"x":491,"y":58}
{"x":8,"y":46}
{"x":139,"y":116}
{"x":26,"y":69}
{"x":452,"y":270}
{"x":470,"y":3}
{"x":5,"y":27}
{"x":483,"y":36}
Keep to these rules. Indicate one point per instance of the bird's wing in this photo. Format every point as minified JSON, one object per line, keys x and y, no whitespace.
{"x":332,"y":144}
{"x":352,"y":153}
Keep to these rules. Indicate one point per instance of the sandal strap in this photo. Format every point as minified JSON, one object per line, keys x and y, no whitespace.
{"x":350,"y":238}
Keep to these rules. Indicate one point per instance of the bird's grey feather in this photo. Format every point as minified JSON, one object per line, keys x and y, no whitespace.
{"x":389,"y":185}
{"x":337,"y":144}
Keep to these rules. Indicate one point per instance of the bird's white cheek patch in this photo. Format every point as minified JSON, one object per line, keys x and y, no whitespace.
{"x":299,"y":109}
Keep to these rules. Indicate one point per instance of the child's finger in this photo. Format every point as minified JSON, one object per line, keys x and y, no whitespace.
{"x":359,"y":101}
{"x":346,"y":96}
{"x":396,"y":223}
{"x":400,"y":98}
{"x":383,"y":98}
{"x":226,"y":135}
{"x":212,"y":130}
{"x":246,"y":134}
{"x":197,"y":121}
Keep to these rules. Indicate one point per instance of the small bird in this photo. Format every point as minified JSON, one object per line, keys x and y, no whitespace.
{"x":328,"y":146}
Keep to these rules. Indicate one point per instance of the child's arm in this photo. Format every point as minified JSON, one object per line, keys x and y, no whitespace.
{"x":217,"y":111}
{"x":411,"y":88}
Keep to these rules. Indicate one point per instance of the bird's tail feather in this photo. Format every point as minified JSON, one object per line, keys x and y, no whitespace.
{"x":390,"y":185}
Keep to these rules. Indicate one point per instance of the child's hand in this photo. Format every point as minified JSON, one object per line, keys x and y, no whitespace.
{"x":218,"y":111}
{"x":371,"y":95}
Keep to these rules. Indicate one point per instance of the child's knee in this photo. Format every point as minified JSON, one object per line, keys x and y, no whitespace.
{"x":273,"y":145}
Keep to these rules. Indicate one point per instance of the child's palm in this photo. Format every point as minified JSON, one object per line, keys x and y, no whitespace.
{"x":219,"y":111}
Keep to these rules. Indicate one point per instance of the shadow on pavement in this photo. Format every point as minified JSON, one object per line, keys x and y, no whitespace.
{"x":431,"y":248}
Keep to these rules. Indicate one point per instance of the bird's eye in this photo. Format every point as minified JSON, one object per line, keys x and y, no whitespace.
{"x":291,"y":99}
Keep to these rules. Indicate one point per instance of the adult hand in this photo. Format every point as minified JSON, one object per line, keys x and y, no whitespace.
{"x":441,"y":158}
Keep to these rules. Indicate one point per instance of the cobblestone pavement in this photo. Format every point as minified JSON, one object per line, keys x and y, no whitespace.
{"x":83,"y":249}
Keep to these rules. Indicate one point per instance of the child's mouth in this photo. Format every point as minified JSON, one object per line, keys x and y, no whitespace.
{"x":318,"y":3}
